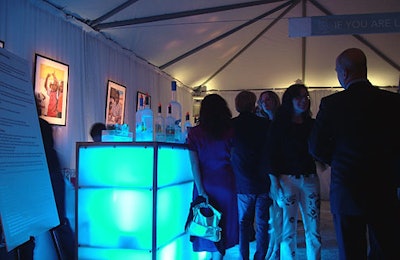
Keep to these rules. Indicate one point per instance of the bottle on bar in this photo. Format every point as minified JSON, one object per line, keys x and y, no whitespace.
{"x":186,"y":127}
{"x":148,"y":120}
{"x":139,"y":126}
{"x":176,"y":112}
{"x":170,"y":126}
{"x":159,"y":125}
{"x":144,"y":122}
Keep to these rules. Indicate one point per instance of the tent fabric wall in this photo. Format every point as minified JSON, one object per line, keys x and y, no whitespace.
{"x":29,"y":27}
{"x":234,"y":44}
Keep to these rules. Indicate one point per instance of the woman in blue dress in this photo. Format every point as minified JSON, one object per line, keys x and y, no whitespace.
{"x":210,"y":144}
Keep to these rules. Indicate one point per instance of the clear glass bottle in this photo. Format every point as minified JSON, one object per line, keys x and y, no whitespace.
{"x":144,"y":121}
{"x":170,"y":126}
{"x":148,"y":121}
{"x":176,"y":112}
{"x":139,"y":124}
{"x":159,"y":125}
{"x":186,"y":127}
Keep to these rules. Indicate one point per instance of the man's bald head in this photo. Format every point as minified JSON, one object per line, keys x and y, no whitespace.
{"x":351,"y":65}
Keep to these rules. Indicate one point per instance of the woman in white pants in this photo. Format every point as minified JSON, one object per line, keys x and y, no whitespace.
{"x":294,"y":179}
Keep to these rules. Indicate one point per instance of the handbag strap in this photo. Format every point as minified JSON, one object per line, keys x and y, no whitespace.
{"x":207,"y":205}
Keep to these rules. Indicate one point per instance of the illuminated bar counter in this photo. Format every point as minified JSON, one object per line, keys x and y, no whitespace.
{"x":132,"y":200}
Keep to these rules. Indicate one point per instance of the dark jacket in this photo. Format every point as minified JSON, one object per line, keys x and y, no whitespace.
{"x":356,"y":132}
{"x":247,"y":154}
{"x":288,"y":148}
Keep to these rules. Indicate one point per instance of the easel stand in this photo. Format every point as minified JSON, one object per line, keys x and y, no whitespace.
{"x":25,"y":251}
{"x":54,"y":237}
{"x":64,"y":241}
{"x":22,"y":252}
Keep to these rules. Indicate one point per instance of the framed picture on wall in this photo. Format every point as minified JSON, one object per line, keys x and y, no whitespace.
{"x":51,"y":89}
{"x":115,"y":103}
{"x":1,"y":44}
{"x":142,"y":95}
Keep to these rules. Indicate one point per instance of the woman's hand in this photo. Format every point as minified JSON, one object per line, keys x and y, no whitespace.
{"x":204,"y":195}
{"x":276,"y":191}
{"x":275,"y":188}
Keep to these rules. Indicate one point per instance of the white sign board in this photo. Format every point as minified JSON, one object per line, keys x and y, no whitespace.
{"x":27,"y":205}
{"x":344,"y":24}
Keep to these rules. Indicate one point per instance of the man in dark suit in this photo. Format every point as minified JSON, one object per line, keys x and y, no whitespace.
{"x":356,"y":133}
{"x":252,"y":184}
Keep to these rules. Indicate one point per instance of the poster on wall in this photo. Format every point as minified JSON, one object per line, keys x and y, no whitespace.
{"x":115,"y":103}
{"x":51,"y":89}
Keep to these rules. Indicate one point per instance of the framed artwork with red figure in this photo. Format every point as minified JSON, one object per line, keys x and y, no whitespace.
{"x":115,"y":103}
{"x":51,"y":89}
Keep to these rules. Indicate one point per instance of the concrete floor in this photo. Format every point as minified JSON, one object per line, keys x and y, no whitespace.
{"x":329,"y":246}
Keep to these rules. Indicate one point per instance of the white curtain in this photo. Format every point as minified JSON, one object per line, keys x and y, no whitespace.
{"x":28,"y":27}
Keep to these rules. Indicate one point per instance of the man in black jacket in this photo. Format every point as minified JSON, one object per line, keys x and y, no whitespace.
{"x":356,"y":133}
{"x":252,"y":182}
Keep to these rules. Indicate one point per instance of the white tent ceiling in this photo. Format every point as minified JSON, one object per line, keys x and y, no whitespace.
{"x":214,"y":43}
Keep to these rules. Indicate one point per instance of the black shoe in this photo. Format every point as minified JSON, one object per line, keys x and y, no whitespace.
{"x":252,"y":235}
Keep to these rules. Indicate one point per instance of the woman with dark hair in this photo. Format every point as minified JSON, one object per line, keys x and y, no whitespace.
{"x":293,"y":173}
{"x":267,"y":104}
{"x":210,"y":143}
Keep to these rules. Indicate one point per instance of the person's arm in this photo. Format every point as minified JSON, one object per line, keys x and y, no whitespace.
{"x":321,"y":166}
{"x":45,"y":82}
{"x":197,"y":174}
{"x":55,"y":79}
{"x":273,"y":158}
{"x":320,"y":142}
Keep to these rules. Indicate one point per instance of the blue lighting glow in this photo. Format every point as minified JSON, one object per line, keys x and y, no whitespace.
{"x":115,"y":201}
{"x":173,"y":166}
{"x":171,"y":214}
{"x":120,"y":166}
{"x":115,"y":218}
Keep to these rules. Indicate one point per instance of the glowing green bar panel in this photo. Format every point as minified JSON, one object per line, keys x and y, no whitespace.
{"x":133,"y":200}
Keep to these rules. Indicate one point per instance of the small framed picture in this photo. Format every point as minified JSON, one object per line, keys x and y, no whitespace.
{"x":115,"y":103}
{"x":1,"y":44}
{"x":142,"y":95}
{"x":51,"y":89}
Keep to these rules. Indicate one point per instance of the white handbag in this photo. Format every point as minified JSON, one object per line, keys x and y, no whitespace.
{"x":205,"y":226}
